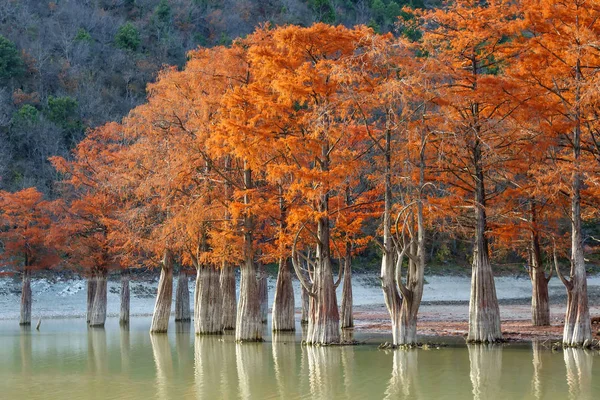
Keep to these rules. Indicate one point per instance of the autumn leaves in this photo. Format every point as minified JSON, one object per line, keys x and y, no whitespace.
{"x":302,"y":145}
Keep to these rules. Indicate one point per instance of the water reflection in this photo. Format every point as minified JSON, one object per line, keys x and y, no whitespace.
{"x":324,"y":367}
{"x":536,"y":381}
{"x":97,"y":351}
{"x":163,"y":361}
{"x":208,"y":363}
{"x":129,"y":364}
{"x":182,"y":342}
{"x":25,"y":347}
{"x":251,"y":369}
{"x":348,"y":366}
{"x":284,"y":362}
{"x":486,"y":367}
{"x":403,"y":382}
{"x":579,"y":373}
{"x":125,"y":345}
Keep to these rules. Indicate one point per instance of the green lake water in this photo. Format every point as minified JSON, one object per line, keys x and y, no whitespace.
{"x":66,"y":360}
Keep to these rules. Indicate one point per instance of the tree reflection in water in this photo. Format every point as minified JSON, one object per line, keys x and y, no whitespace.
{"x":25,"y":344}
{"x":182,"y":343}
{"x":161,"y":349}
{"x":255,"y":379}
{"x":486,"y":367}
{"x":403,"y":382}
{"x":207,"y":359}
{"x":284,"y":363}
{"x":97,"y":350}
{"x":125,"y":347}
{"x":579,"y":373}
{"x":324,"y":368}
{"x":536,"y":381}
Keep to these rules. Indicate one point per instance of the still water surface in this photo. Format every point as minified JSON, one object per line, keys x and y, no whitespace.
{"x":66,"y":360}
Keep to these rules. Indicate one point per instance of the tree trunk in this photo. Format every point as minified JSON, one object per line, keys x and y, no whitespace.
{"x":98,"y":317}
{"x":91,"y":293}
{"x":26,"y":298}
{"x":263,"y":292}
{"x":248,"y":325}
{"x":249,"y":319}
{"x":305,"y":298}
{"x":323,"y":316}
{"x":347,"y":318}
{"x":228,"y":308}
{"x":540,"y":306}
{"x":283,"y":303}
{"x":164,"y":297}
{"x":125,"y":298}
{"x":484,"y":312}
{"x":391,"y":295}
{"x":208,"y":302}
{"x":182,"y":298}
{"x":578,"y":327}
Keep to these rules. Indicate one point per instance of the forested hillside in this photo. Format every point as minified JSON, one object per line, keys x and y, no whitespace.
{"x":67,"y":65}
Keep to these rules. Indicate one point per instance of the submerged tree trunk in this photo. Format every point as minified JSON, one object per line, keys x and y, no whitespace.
{"x":228,"y":305}
{"x":263,"y":292}
{"x":207,"y":302}
{"x":164,"y":297}
{"x":182,"y":298}
{"x":249,"y":319}
{"x":125,"y":298}
{"x":283,"y":303}
{"x":26,"y":298}
{"x":91,"y":293}
{"x":347,"y":318}
{"x":484,"y":312}
{"x":248,"y":325}
{"x":323,"y":316}
{"x":227,"y":278}
{"x":98,"y":317}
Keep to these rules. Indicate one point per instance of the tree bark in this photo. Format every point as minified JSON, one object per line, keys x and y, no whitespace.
{"x":208,"y":302}
{"x":125,"y":298}
{"x":25,"y":318}
{"x":323,"y":316}
{"x":391,"y":294}
{"x":540,"y":305}
{"x":484,"y":312}
{"x":578,"y":327}
{"x":263,"y":292}
{"x":283,"y":303}
{"x":164,"y":297}
{"x":98,"y":317}
{"x":182,"y":298}
{"x":248,"y":325}
{"x":91,"y":293}
{"x":228,"y":308}
{"x":347,"y":317}
{"x":305,"y":298}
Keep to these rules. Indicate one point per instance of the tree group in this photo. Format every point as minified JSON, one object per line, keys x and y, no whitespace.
{"x":302,"y":146}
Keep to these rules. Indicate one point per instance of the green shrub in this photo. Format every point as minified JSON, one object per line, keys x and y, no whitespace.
{"x":128,"y":37}
{"x":11,"y":63}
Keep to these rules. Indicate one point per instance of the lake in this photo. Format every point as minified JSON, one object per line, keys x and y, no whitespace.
{"x":65,"y":359}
